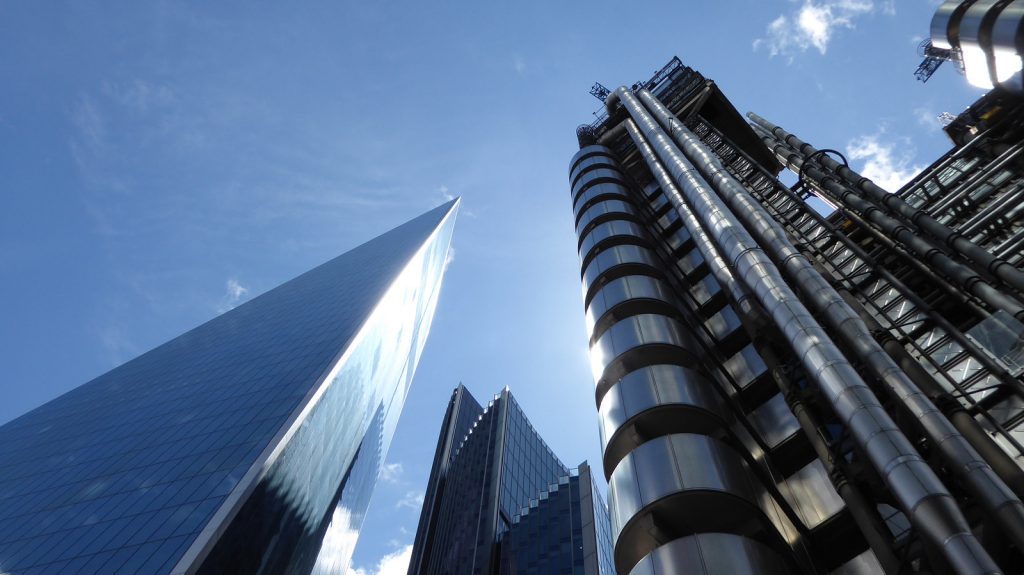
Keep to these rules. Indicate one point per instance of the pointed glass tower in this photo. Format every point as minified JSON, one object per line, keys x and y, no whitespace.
{"x":249,"y":444}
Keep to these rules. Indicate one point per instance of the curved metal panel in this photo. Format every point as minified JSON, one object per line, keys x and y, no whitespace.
{"x":621,"y":292}
{"x":975,"y":47}
{"x":638,"y":341}
{"x":590,"y":163}
{"x":940,"y":27}
{"x":693,"y":483}
{"x":628,"y":259}
{"x":654,"y":401}
{"x":599,"y":191}
{"x":603,"y":211}
{"x":587,"y":151}
{"x":611,"y":232}
{"x":712,"y":554}
{"x":596,"y":176}
{"x":1007,"y":40}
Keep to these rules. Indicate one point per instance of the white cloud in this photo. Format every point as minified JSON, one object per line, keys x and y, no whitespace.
{"x":445,"y":194}
{"x":232,"y":296}
{"x":338,"y":544}
{"x":411,"y":500}
{"x":396,"y":563}
{"x":814,"y":23}
{"x":117,"y":342}
{"x":519,"y":65}
{"x":888,"y":163}
{"x":139,"y":94}
{"x":90,"y":126}
{"x":391,"y":472}
{"x":926,"y":117}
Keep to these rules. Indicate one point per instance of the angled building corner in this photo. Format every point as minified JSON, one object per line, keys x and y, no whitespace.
{"x":249,"y":444}
{"x":500,"y":502}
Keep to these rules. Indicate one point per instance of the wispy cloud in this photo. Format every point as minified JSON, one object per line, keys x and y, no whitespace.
{"x":446,"y":194}
{"x":888,"y":161}
{"x":519,"y":65}
{"x":928,"y":118}
{"x":139,"y":95}
{"x":395,"y":563}
{"x":233,"y":295}
{"x":814,"y":23}
{"x":90,"y":132}
{"x":118,"y":344}
{"x":391,"y":472}
{"x":411,"y":500}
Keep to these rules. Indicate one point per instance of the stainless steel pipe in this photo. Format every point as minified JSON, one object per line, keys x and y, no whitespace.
{"x":921,"y":495}
{"x":910,"y":215}
{"x":964,"y":276}
{"x":964,"y":461}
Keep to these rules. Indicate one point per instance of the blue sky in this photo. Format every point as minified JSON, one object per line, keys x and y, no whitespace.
{"x":161,"y":162}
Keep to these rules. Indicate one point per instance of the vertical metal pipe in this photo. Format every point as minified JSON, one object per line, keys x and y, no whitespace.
{"x":908,"y":214}
{"x":919,"y":492}
{"x":963,"y":460}
{"x":864,"y":513}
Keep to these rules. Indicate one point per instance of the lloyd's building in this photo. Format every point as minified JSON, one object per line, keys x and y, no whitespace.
{"x":790,"y":389}
{"x":250,"y":444}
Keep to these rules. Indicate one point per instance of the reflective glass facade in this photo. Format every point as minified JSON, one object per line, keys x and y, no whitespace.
{"x":563,"y":530}
{"x":490,"y":467}
{"x":239,"y":446}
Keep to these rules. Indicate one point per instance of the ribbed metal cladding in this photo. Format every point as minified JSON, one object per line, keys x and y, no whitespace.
{"x":712,"y":554}
{"x":654,"y":401}
{"x":663,"y":424}
{"x":915,"y":486}
{"x":681,"y":484}
{"x":843,"y":379}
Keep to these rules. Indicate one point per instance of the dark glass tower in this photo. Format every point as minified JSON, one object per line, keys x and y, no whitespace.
{"x":250,"y":444}
{"x":499,"y":501}
{"x":784,"y":390}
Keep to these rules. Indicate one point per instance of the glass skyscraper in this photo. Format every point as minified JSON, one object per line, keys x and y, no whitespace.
{"x":250,"y":444}
{"x":499,"y":501}
{"x":822,"y":377}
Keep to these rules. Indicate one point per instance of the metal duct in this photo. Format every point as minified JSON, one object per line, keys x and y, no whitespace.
{"x":716,"y":265}
{"x":962,"y":275}
{"x":919,"y":492}
{"x":1001,"y":462}
{"x":864,"y":514}
{"x":964,"y":461}
{"x":1000,"y":268}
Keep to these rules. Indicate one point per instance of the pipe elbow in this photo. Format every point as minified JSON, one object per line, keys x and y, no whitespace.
{"x":613,"y":99}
